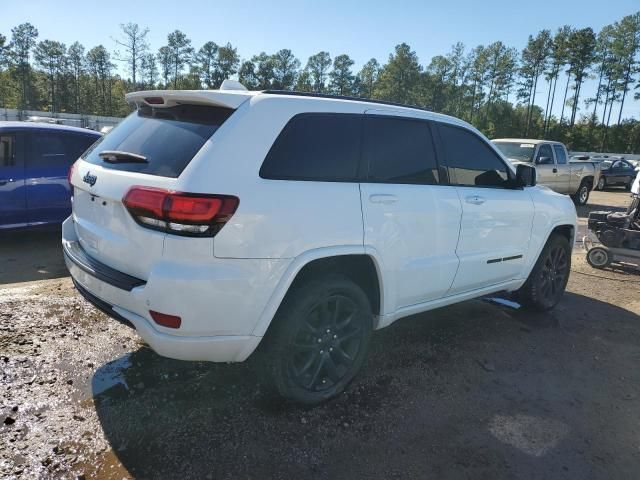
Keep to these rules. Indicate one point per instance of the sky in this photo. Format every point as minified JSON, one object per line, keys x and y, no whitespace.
{"x":364,"y":29}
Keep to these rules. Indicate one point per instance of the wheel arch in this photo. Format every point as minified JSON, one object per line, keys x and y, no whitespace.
{"x":353,"y":262}
{"x":566,"y":230}
{"x":590,"y":179}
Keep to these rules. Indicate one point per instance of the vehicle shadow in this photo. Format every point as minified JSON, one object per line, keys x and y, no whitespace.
{"x":463,"y":364}
{"x":30,"y":255}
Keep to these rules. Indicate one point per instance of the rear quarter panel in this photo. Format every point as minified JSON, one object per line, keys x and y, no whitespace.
{"x":275,"y":218}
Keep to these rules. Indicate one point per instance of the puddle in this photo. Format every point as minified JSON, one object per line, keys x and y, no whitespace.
{"x":534,"y":436}
{"x":111,"y":375}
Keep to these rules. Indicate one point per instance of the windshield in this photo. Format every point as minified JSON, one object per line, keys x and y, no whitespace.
{"x":605,"y":164}
{"x":522,"y":152}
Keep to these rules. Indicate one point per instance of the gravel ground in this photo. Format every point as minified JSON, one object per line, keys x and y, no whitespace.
{"x":477,"y":390}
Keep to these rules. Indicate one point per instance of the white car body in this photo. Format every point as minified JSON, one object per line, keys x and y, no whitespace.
{"x":430,"y":244}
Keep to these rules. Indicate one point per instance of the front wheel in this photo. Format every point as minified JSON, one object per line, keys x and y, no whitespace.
{"x":319,"y":339}
{"x":602,"y":183}
{"x":548,"y":279}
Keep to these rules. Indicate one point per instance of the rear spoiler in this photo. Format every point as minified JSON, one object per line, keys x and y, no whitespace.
{"x":170,"y":98}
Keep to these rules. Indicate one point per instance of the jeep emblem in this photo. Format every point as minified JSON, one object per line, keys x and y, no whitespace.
{"x":90,"y":179}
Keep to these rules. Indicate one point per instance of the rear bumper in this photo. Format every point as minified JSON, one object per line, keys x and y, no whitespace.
{"x":117,"y":296}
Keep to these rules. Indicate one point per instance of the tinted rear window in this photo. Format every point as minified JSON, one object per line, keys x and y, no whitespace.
{"x":322,"y":147}
{"x":168,"y":137}
{"x":399,"y":151}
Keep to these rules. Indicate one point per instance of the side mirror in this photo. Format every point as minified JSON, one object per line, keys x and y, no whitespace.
{"x":525,"y":176}
{"x":544,"y":160}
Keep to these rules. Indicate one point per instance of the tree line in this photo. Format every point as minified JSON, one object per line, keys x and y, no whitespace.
{"x":502,"y":91}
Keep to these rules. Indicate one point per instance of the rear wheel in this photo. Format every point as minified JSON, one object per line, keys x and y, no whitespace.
{"x":548,"y":279}
{"x":599,"y":257}
{"x":319,"y":339}
{"x":582,"y":195}
{"x":602,"y":183}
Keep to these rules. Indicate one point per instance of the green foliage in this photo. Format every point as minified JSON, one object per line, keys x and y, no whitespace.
{"x":341,"y":77}
{"x":477,"y":85}
{"x":318,"y":69}
{"x":399,"y":79}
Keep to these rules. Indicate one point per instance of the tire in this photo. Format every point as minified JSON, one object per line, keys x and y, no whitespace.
{"x":548,"y":279}
{"x":319,"y":339}
{"x":599,"y":257}
{"x":627,"y":187}
{"x":602,"y":183}
{"x":581,"y":197}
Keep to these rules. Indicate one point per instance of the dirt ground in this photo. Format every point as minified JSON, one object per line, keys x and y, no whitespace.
{"x":477,"y":390}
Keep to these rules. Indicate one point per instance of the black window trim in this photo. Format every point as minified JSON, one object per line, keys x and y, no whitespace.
{"x":451,"y":175}
{"x":299,"y":178}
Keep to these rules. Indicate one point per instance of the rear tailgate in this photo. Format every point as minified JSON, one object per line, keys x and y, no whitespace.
{"x":105,"y":228}
{"x":150,"y":148}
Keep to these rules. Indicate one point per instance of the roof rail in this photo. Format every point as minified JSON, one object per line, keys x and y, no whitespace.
{"x":341,"y":97}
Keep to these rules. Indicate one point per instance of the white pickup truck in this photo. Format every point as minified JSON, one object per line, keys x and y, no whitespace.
{"x":554,"y":169}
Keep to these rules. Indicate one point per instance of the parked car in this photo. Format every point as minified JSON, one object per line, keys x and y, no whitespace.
{"x":616,"y":173}
{"x":34,"y":162}
{"x":572,"y":177}
{"x":215,"y":221}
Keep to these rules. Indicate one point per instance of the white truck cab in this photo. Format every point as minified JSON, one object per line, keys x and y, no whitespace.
{"x":217,"y":221}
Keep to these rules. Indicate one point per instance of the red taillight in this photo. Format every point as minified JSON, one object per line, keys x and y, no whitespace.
{"x":181,"y":213}
{"x":171,"y":321}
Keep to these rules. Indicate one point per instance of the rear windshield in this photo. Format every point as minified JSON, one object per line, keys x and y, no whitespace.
{"x":168,"y":137}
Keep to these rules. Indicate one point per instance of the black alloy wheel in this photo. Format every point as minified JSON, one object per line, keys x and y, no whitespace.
{"x":548,"y":278}
{"x":327,"y":344}
{"x":319,"y":339}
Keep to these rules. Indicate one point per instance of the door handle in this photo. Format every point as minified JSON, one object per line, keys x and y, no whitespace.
{"x":4,"y":182}
{"x":474,"y":199}
{"x":383,"y":198}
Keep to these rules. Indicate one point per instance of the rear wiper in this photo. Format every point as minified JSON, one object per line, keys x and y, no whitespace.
{"x":116,"y":156}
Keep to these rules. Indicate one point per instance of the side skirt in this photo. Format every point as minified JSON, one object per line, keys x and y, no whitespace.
{"x":386,"y":320}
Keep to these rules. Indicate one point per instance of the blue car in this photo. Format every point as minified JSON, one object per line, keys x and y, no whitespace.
{"x":34,"y":162}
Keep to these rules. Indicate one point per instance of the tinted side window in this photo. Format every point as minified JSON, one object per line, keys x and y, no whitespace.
{"x":323,"y":147}
{"x":545,"y":155}
{"x":46,"y":149}
{"x":399,"y":151}
{"x":51,"y":149}
{"x":77,"y":144}
{"x":561,"y":156}
{"x":471,"y":161}
{"x":7,"y":151}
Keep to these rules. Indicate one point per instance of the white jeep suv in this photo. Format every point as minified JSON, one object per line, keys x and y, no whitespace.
{"x":214,"y":221}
